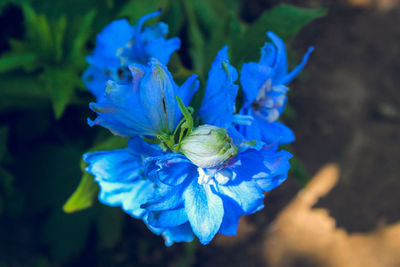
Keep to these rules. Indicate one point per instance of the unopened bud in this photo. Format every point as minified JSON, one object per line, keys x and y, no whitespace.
{"x":208,"y":146}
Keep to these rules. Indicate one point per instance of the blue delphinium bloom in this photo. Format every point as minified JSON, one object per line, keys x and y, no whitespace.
{"x":122,"y":181}
{"x":264,"y":88}
{"x":121,"y":44}
{"x":145,"y":106}
{"x":212,"y":199}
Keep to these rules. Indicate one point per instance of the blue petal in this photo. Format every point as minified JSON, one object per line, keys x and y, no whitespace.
{"x":162,"y":49}
{"x":204,"y":210}
{"x":121,"y":112}
{"x":95,"y":79}
{"x":268,"y":54}
{"x":182,"y":233}
{"x":219,"y":100}
{"x":246,"y":193}
{"x":252,"y":78}
{"x":280,"y":64}
{"x":266,"y":167}
{"x":158,"y":97}
{"x":289,"y":77}
{"x":263,"y":130}
{"x":232,"y":214}
{"x":167,"y":218}
{"x":113,"y":37}
{"x":146,"y":106}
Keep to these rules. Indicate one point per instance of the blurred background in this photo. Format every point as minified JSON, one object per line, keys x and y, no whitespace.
{"x":344,"y":109}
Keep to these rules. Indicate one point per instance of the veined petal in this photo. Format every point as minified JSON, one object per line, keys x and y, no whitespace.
{"x":204,"y":210}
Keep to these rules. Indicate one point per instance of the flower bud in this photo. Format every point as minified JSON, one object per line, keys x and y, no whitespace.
{"x":208,"y":146}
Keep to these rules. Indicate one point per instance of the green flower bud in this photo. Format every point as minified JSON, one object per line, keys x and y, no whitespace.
{"x":208,"y":146}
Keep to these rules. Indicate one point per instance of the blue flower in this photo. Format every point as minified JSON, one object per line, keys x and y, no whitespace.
{"x":212,"y":200}
{"x":145,"y":106}
{"x":122,"y":181}
{"x":120,"y":44}
{"x":264,"y":87}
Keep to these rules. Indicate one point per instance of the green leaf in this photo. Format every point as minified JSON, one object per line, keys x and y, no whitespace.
{"x":11,"y":61}
{"x":58,"y":33}
{"x":84,"y":195}
{"x":83,"y":35}
{"x":284,"y":20}
{"x":86,"y":192}
{"x":135,"y":9}
{"x":38,"y":31}
{"x":60,"y":84}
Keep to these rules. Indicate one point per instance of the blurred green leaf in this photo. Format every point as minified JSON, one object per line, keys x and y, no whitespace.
{"x":284,"y":20}
{"x":11,"y":61}
{"x":38,"y":31}
{"x":60,"y":84}
{"x":83,"y":34}
{"x":174,"y":17}
{"x":58,"y":32}
{"x":85,"y":194}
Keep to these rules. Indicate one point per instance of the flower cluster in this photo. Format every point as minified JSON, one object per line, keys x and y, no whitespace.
{"x":182,"y":178}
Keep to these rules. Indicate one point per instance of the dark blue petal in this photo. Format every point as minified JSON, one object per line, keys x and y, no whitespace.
{"x":204,"y":210}
{"x":219,"y":100}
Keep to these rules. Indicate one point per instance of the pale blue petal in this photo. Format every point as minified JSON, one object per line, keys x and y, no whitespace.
{"x":204,"y":210}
